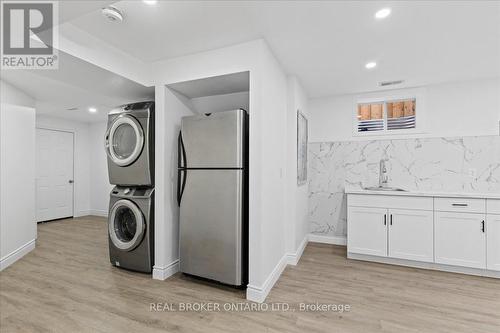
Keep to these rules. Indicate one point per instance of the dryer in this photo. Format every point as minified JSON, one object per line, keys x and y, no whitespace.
{"x":131,"y":228}
{"x":129,"y":144}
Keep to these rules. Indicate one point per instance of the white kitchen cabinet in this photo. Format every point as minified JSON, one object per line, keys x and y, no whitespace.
{"x":411,"y":235}
{"x":467,"y":205}
{"x":493,"y":242}
{"x":460,"y":239}
{"x":367,"y":231}
{"x":493,"y":206}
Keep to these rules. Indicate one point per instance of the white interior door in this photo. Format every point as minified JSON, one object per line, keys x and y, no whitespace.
{"x":54,"y":174}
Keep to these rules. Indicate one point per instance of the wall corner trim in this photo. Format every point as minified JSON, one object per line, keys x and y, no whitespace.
{"x":259,"y":293}
{"x":293,"y":258}
{"x":163,"y":273}
{"x":17,"y":254}
{"x":335,"y":240}
{"x":81,"y":213}
{"x":98,"y":212}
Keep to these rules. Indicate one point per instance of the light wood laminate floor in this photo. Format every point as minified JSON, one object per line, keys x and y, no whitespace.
{"x":68,"y":285}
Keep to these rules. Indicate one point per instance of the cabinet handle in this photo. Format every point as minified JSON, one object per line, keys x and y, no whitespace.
{"x":391,"y":219}
{"x":482,"y":226}
{"x":385,"y":219}
{"x":459,"y":205}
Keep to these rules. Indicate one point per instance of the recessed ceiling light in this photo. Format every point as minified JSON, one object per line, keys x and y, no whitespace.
{"x":383,"y":13}
{"x":371,"y":65}
{"x":150,"y":2}
{"x":92,"y":110}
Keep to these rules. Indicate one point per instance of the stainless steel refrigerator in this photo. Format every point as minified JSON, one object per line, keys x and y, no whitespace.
{"x":212,"y":188}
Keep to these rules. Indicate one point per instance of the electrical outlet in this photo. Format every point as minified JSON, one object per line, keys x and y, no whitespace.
{"x":473,"y":172}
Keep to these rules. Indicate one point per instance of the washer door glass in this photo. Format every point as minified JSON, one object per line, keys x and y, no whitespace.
{"x":125,"y":140}
{"x":126,"y":225}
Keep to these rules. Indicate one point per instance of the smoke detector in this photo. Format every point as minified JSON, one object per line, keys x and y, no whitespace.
{"x":113,"y":14}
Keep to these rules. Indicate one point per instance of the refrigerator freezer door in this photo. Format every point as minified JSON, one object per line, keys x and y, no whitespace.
{"x":211,"y":226}
{"x":213,"y":140}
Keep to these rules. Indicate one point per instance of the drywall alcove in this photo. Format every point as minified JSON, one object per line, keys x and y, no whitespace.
{"x":217,"y":93}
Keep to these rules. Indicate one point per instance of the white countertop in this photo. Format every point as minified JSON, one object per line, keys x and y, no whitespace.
{"x":490,"y":195}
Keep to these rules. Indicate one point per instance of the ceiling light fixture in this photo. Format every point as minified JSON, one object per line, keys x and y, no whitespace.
{"x":383,"y":13}
{"x":92,"y":109}
{"x":371,"y":65}
{"x":150,"y":2}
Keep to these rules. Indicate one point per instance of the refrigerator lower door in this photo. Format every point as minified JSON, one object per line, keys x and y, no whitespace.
{"x":211,"y":225}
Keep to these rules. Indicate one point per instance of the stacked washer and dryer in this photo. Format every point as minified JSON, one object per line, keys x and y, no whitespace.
{"x":129,"y":144}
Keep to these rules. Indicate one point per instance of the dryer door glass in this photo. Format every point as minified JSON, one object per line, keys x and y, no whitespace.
{"x":125,"y":140}
{"x":126,"y":225}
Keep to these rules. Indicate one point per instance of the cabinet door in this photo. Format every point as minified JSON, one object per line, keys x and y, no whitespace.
{"x":459,"y":239}
{"x":411,"y":235}
{"x":493,"y":242}
{"x":367,"y":231}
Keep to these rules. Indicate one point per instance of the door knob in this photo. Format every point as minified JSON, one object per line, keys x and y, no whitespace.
{"x":71,"y":181}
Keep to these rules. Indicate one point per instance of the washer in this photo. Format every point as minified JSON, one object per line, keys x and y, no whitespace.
{"x":130,"y":228}
{"x":129,"y":143}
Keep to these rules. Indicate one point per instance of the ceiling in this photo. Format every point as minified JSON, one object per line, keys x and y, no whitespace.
{"x":77,"y":84}
{"x":324,"y":43}
{"x":211,"y":86}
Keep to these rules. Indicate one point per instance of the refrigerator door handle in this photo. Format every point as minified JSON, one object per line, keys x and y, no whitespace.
{"x":181,"y":164}
{"x":181,"y":185}
{"x":181,"y":152}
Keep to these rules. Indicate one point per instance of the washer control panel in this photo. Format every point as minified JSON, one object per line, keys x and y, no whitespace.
{"x":124,"y":191}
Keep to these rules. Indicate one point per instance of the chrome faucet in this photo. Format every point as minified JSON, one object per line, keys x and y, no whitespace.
{"x":382,"y":177}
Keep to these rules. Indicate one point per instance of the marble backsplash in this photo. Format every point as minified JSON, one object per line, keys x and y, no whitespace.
{"x":463,"y":164}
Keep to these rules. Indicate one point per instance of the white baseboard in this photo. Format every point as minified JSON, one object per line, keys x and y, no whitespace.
{"x":335,"y":240}
{"x":81,"y":213}
{"x":259,"y":293}
{"x":425,"y":265}
{"x":293,"y":258}
{"x":98,"y":212}
{"x":17,"y":254}
{"x":163,"y":273}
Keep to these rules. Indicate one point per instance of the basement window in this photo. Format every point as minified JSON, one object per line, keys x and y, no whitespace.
{"x":388,"y":115}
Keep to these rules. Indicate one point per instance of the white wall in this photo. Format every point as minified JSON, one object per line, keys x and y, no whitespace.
{"x":267,"y":104}
{"x":272,"y":131}
{"x":17,"y":181}
{"x":297,"y":221}
{"x":169,"y":109}
{"x":99,"y":179}
{"x":225,"y":102}
{"x":92,"y":188}
{"x":81,"y":153}
{"x":453,"y":109}
{"x":14,"y":96}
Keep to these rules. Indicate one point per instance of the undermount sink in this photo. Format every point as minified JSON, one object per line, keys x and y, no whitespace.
{"x":385,"y":188}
